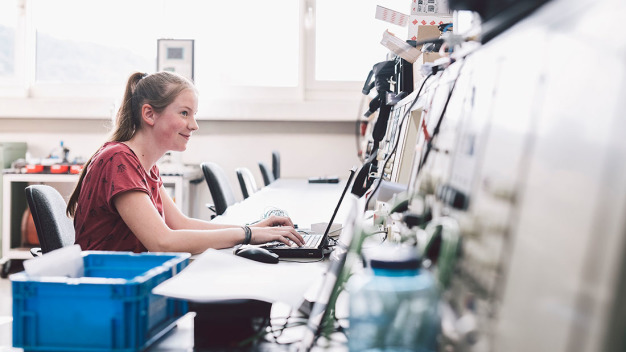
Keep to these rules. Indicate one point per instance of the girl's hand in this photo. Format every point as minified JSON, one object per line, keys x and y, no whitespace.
{"x":274,"y":221}
{"x":285,"y":234}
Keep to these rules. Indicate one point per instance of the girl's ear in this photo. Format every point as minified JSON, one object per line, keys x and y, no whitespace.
{"x":148,"y":114}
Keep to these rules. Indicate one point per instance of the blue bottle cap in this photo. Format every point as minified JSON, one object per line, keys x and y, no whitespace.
{"x":394,"y":257}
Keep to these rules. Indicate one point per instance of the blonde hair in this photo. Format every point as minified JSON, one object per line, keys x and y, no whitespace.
{"x":158,"y":90}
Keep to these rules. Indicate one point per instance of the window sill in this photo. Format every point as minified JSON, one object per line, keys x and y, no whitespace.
{"x":341,"y":109}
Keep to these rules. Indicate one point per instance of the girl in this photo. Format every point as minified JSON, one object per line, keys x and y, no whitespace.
{"x":120,"y":203}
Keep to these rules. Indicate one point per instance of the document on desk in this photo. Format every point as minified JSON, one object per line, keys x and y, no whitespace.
{"x":218,"y":276}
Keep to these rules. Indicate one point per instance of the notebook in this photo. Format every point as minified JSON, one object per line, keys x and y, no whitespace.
{"x":315,"y":242}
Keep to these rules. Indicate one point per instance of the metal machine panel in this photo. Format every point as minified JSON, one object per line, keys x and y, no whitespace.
{"x":536,"y":147}
{"x":558,"y":290}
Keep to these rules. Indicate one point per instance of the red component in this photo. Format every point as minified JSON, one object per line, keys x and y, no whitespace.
{"x":34,"y":169}
{"x":76,"y":169}
{"x":59,"y":169}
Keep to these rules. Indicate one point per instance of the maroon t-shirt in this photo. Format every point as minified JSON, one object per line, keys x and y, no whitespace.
{"x":113,"y":169}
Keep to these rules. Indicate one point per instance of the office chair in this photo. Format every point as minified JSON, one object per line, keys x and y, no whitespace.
{"x":268,"y":176}
{"x":246,"y":181}
{"x":54,"y":228}
{"x":276,"y":164}
{"x":221,"y":190}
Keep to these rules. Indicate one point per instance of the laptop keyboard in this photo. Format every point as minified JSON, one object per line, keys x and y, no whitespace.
{"x":310,"y":241}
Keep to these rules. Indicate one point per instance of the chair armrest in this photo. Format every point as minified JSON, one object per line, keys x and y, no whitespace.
{"x":212,"y":208}
{"x":36,"y":252}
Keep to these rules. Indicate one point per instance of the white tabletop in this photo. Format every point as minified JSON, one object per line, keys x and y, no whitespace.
{"x":305,"y":203}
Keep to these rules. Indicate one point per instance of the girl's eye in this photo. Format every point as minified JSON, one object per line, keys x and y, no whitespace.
{"x":185,"y":113}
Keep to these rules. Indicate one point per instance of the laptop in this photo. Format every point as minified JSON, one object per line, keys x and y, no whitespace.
{"x":315,"y":242}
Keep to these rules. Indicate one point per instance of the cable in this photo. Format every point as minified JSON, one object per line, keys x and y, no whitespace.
{"x":429,"y":145}
{"x":277,"y":332}
{"x":406,"y":114}
{"x":358,"y":126}
{"x":299,"y":261}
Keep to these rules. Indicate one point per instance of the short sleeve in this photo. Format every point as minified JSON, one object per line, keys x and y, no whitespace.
{"x":123,"y":173}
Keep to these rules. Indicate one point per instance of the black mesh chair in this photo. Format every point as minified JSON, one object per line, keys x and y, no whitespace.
{"x":54,"y":228}
{"x":276,"y":164}
{"x":268,"y":176}
{"x":219,"y":187}
{"x":246,"y":181}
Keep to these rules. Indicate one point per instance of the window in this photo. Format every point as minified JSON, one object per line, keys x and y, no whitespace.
{"x":347,"y":37}
{"x":102,"y":43}
{"x":90,"y":42}
{"x":8,"y":26}
{"x":297,"y":52}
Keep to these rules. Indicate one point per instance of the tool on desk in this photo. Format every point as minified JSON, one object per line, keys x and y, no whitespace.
{"x":324,"y":180}
{"x":314,"y":242}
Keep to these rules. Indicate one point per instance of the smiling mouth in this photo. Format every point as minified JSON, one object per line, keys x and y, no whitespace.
{"x":187,"y":136}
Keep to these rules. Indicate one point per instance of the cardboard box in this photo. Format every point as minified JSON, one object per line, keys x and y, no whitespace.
{"x":418,"y":21}
{"x":429,"y":57}
{"x":427,"y":32}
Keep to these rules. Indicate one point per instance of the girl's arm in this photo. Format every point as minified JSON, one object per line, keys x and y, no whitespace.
{"x":175,"y":219}
{"x":140,"y":215}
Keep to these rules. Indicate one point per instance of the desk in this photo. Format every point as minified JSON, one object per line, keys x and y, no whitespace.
{"x":306,"y":203}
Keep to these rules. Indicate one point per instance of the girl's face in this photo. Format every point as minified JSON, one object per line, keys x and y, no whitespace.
{"x":174,"y":126}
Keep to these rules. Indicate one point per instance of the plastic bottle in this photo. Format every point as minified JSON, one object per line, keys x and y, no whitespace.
{"x":394,"y":305}
{"x":60,"y":153}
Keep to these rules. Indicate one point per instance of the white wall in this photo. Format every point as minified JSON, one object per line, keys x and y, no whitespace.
{"x":306,"y":148}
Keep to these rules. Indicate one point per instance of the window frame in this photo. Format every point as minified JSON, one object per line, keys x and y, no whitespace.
{"x":309,"y":100}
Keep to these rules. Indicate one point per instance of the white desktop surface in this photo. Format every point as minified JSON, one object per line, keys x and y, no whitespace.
{"x":305,"y":203}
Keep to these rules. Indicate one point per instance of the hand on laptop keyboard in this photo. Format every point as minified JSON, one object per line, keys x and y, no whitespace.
{"x":275,"y":229}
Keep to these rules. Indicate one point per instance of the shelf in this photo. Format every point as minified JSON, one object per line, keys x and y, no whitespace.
{"x":19,"y":253}
{"x":14,"y":203}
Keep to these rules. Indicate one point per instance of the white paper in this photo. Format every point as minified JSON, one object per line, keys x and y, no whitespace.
{"x":400,"y":47}
{"x":66,"y":262}
{"x":218,"y":276}
{"x":391,"y":16}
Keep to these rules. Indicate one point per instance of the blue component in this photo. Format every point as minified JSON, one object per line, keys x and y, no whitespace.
{"x":110,"y":308}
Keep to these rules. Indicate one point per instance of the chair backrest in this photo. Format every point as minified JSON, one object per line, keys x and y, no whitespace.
{"x":246,"y":181}
{"x":219,"y":186}
{"x":54,"y":228}
{"x":268,"y":177}
{"x":276,"y":164}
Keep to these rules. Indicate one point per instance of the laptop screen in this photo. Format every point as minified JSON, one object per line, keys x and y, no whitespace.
{"x":343,"y":194}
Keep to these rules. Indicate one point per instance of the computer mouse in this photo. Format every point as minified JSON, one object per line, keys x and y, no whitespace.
{"x":259,"y":254}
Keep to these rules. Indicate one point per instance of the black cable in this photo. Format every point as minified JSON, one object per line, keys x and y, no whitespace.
{"x":299,"y":261}
{"x":406,"y":114}
{"x":429,"y":145}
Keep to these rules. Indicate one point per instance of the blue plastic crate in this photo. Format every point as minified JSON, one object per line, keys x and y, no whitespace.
{"x":110,"y":308}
